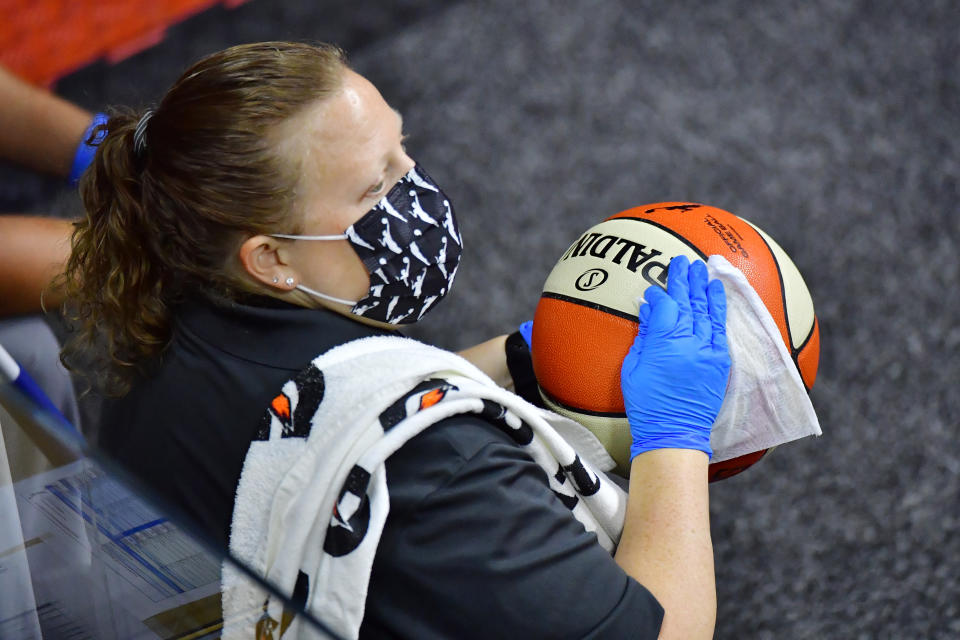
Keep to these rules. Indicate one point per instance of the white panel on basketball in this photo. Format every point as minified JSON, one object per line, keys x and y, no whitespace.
{"x":612,"y":432}
{"x":800,"y":312}
{"x":627,"y":267}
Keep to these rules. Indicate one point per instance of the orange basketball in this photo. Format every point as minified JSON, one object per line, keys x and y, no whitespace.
{"x":586,"y":319}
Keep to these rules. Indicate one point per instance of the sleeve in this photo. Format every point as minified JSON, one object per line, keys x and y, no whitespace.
{"x":520,"y":366}
{"x":476,"y":535}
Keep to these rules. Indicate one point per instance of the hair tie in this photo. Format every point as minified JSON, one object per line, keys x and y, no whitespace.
{"x":139,"y":135}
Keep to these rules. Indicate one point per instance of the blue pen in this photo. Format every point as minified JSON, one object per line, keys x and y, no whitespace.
{"x":12,"y":373}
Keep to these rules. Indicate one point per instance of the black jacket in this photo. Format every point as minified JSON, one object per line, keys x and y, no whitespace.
{"x":476,"y":544}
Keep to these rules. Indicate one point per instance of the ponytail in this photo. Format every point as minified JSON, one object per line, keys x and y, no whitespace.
{"x":118,"y":303}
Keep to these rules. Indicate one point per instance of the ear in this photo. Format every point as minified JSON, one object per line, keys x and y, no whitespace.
{"x":263,"y":258}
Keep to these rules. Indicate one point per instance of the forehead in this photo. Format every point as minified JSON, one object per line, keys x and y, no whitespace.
{"x":339,"y":147}
{"x":349,"y":130}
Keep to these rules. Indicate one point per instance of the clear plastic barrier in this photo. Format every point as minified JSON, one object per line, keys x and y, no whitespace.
{"x":85,"y":553}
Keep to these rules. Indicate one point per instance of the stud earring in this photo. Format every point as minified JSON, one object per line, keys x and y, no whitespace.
{"x":289,"y":282}
{"x":276,"y":279}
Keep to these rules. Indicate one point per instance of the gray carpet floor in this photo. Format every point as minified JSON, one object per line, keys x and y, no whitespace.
{"x":832,"y":125}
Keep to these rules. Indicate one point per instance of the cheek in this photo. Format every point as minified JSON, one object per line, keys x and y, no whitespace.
{"x":359,"y":277}
{"x":341,"y":270}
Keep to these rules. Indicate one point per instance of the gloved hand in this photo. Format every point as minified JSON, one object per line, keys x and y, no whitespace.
{"x":675,"y":375}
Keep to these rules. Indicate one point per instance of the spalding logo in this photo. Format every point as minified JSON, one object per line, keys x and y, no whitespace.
{"x":591,"y":279}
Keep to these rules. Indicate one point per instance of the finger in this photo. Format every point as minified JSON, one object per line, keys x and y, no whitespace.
{"x":643,"y":321}
{"x":717,"y":304}
{"x":664,"y":311}
{"x":678,"y":286}
{"x":631,"y":360}
{"x":698,"y":300}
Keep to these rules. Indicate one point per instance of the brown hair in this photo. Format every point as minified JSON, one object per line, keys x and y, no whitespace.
{"x":165,"y":217}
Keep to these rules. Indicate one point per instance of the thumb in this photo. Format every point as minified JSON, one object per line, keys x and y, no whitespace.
{"x":643,"y":322}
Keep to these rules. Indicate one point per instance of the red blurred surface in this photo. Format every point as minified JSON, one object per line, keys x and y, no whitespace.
{"x":44,"y":40}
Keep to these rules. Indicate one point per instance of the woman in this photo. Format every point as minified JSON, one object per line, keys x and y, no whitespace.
{"x":246,"y":226}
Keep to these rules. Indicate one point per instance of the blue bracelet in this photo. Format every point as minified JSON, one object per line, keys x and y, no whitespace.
{"x":85,"y":152}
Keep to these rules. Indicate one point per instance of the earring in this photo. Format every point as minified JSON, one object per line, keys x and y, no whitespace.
{"x":289,"y":282}
{"x":276,"y":279}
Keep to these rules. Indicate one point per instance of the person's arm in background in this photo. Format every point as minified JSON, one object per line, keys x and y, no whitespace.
{"x":674,"y":379}
{"x":490,"y":358}
{"x":38,"y":129}
{"x":32,"y":252}
{"x":44,"y":132}
{"x":507,"y":359}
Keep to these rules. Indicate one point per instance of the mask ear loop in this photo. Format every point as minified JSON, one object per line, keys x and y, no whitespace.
{"x":306,"y":289}
{"x":323,"y":296}
{"x":287,"y":236}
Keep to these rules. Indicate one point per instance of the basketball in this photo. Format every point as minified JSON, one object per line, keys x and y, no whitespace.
{"x":586,"y":318}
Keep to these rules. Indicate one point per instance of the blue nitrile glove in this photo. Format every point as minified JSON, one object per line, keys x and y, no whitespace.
{"x":85,"y":152}
{"x":526,"y":331}
{"x":675,"y":375}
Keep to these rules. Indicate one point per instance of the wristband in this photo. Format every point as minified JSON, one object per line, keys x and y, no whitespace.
{"x":85,"y":152}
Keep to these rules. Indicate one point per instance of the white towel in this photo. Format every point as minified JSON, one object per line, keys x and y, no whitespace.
{"x":313,"y":496}
{"x":766,"y":403}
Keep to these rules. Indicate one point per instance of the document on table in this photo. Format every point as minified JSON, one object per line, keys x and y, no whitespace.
{"x":103,"y":563}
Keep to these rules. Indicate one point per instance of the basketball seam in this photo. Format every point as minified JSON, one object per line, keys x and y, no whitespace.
{"x":783,"y":293}
{"x":589,"y":412}
{"x":794,"y":352}
{"x":809,"y":335}
{"x":590,"y":305}
{"x":796,"y":357}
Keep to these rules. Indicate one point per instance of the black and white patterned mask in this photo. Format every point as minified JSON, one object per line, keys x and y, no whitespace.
{"x":410,"y":244}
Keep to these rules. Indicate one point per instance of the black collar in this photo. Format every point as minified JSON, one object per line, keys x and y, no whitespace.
{"x":278,"y":335}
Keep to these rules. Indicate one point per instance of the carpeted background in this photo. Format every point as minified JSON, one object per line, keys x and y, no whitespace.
{"x":834,"y":126}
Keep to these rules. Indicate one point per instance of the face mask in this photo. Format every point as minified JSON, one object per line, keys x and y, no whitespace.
{"x":410,"y":244}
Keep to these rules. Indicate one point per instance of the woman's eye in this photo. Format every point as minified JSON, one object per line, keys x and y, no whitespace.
{"x":377,"y":188}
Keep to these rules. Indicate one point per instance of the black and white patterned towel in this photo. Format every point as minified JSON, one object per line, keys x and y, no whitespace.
{"x":313,"y":496}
